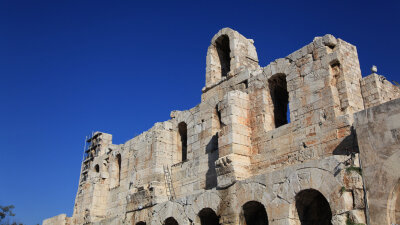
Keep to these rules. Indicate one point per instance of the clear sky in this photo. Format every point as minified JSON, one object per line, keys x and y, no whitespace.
{"x":71,"y":67}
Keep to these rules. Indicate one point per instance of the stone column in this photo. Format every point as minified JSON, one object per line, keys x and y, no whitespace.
{"x":234,"y":139}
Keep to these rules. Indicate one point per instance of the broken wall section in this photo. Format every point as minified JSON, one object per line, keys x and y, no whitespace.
{"x":61,"y":219}
{"x":93,"y":186}
{"x":148,"y":154}
{"x":377,"y":90}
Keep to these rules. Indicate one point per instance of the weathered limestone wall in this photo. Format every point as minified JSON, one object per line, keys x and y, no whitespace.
{"x":378,"y":134}
{"x":317,"y":99}
{"x":60,"y":219}
{"x":270,"y":143}
{"x":377,"y":90}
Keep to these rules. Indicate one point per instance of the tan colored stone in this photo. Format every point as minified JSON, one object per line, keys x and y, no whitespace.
{"x":236,"y":153}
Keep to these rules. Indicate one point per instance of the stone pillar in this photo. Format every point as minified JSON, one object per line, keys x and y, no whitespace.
{"x":234,"y":139}
{"x":348,"y":80}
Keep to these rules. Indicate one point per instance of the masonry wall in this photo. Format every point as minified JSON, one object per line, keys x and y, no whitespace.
{"x":378,"y":133}
{"x":237,"y":151}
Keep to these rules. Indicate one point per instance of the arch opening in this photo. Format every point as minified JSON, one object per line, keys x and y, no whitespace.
{"x":97,"y":168}
{"x":280,"y":99}
{"x":223,"y":51}
{"x":254,"y":213}
{"x":141,"y":223}
{"x":208,"y":217}
{"x":119,"y":167}
{"x":182,"y":131}
{"x":313,"y":208}
{"x":170,"y":221}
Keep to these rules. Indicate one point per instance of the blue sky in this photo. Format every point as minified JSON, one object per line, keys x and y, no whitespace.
{"x":71,"y":67}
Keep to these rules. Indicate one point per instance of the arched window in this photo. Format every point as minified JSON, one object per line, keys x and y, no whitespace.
{"x":280,"y":99}
{"x":254,"y":213}
{"x":224,"y":51}
{"x":313,"y":208}
{"x":119,"y":167}
{"x":182,"y":140}
{"x":97,"y":168}
{"x":208,"y":217}
{"x":170,"y":221}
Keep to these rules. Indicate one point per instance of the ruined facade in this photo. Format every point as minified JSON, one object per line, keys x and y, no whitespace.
{"x":304,"y":140}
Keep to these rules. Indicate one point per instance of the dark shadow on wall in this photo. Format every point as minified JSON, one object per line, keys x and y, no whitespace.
{"x":213,"y":155}
{"x":348,"y":145}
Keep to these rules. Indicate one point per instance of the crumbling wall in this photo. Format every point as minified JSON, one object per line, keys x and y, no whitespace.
{"x":61,"y":219}
{"x":263,"y":141}
{"x":377,"y":90}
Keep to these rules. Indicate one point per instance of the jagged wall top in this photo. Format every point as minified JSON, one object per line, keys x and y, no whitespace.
{"x":228,"y":54}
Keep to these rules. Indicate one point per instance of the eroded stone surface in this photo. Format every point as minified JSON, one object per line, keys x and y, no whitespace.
{"x":236,"y":158}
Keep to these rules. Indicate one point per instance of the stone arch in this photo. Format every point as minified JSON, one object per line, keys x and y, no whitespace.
{"x":161,"y":212}
{"x":170,"y":221}
{"x":97,"y":168}
{"x":310,"y":176}
{"x":257,"y":194}
{"x":183,"y":121}
{"x":253,"y":213}
{"x":273,"y":74}
{"x":223,"y":51}
{"x":209,"y":199}
{"x":228,"y":54}
{"x":207,"y":216}
{"x":252,"y":191}
{"x":182,"y":140}
{"x":312,"y":208}
{"x":280,"y":98}
{"x":393,"y":207}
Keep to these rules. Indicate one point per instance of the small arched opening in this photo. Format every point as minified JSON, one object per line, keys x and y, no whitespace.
{"x":223,"y":51}
{"x":313,"y":208}
{"x":208,"y":217}
{"x":141,"y":223}
{"x":170,"y":221}
{"x":280,"y":99}
{"x":97,"y":168}
{"x":182,"y":140}
{"x":254,"y":213}
{"x":119,"y":167}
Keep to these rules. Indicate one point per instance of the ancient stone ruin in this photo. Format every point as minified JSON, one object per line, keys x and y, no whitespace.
{"x":305,"y":140}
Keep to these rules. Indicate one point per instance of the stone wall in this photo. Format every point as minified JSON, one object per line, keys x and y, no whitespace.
{"x":377,"y":90}
{"x":272,"y":145}
{"x":60,"y":219}
{"x":378,"y":133}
